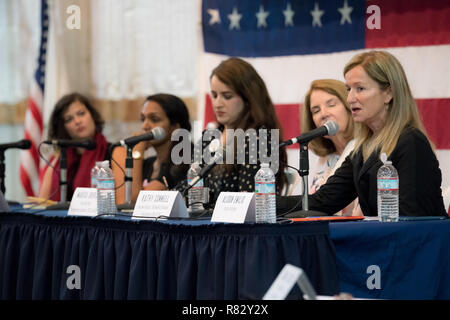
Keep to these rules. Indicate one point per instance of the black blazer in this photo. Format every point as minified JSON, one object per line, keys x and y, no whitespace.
{"x":420,"y":180}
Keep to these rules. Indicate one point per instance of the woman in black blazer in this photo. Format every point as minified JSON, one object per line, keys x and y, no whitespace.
{"x":386,"y":121}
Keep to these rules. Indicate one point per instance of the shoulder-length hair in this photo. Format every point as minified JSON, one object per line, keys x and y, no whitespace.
{"x":322,"y":146}
{"x":56,"y":129}
{"x":402,"y":110}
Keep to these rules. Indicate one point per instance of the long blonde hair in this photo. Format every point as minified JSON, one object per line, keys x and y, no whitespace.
{"x":402,"y":110}
{"x":322,"y":146}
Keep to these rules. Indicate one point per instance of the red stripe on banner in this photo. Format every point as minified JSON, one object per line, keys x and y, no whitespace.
{"x":25,"y":180}
{"x":409,"y":23}
{"x":36,"y":113}
{"x":33,"y":150}
{"x":288,"y":115}
{"x":209,"y":113}
{"x":435,"y":115}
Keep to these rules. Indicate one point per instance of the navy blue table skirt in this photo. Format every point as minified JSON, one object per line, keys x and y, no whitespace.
{"x":156,"y":260}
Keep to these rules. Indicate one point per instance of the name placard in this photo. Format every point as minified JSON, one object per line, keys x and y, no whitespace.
{"x":286,"y":279}
{"x":153,"y":204}
{"x":234,"y":207}
{"x":83,"y":203}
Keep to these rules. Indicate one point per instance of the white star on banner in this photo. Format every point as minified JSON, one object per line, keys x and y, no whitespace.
{"x":317,"y":14}
{"x":215,"y":16}
{"x":345,"y":12}
{"x":262,"y":16}
{"x":234,"y":17}
{"x":288,"y":16}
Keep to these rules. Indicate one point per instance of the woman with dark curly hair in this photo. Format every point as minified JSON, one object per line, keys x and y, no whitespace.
{"x":73,"y":118}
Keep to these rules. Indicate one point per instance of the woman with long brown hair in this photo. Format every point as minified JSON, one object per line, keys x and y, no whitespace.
{"x":242,"y":106}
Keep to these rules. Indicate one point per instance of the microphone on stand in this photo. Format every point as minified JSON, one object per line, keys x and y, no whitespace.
{"x":88,"y":144}
{"x":156,"y":133}
{"x":22,"y":144}
{"x":330,"y":128}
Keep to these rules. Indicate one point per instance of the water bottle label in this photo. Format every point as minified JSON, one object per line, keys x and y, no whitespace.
{"x":105,"y":183}
{"x":387,"y":184}
{"x":197,"y":185}
{"x":93,"y":182}
{"x":266,"y":188}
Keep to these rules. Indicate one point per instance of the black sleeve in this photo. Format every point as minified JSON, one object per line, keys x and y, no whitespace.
{"x":333,"y":196}
{"x":419,"y":176}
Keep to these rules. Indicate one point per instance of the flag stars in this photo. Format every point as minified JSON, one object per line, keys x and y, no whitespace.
{"x":288,"y":16}
{"x":345,"y":12}
{"x":235,"y":18}
{"x":262,"y":16}
{"x":214,"y":16}
{"x":317,"y":14}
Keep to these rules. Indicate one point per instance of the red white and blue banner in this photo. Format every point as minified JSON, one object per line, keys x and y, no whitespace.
{"x":34,"y":125}
{"x":291,"y":43}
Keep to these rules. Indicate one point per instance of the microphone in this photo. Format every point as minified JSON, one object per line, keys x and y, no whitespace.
{"x":86,"y":144}
{"x":22,"y":144}
{"x":330,"y":128}
{"x":157,"y":133}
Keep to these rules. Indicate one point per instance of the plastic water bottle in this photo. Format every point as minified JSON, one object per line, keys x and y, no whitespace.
{"x":387,"y":186}
{"x":94,"y":172}
{"x":265,"y":195}
{"x":106,"y":198}
{"x":195,"y":194}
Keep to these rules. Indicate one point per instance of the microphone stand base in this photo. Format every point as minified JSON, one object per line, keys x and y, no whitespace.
{"x":200,"y":214}
{"x":305,"y":214}
{"x":126,"y":207}
{"x":59,"y":206}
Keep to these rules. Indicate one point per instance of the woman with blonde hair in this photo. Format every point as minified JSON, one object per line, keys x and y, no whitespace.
{"x":386,"y":121}
{"x":326,"y":100}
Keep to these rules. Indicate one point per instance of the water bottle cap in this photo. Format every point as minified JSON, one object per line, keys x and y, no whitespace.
{"x":264,"y":165}
{"x":105,"y":164}
{"x":195,"y":165}
{"x":383,"y":158}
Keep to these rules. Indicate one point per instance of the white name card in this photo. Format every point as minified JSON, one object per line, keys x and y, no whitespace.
{"x":83,"y":203}
{"x":153,"y":204}
{"x":234,"y":207}
{"x":286,"y":279}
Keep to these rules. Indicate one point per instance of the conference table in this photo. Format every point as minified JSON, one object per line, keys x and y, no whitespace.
{"x":118,"y":258}
{"x":394,"y":260}
{"x":49,"y":255}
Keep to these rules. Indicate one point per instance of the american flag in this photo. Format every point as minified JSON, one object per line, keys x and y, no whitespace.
{"x":34,"y":126}
{"x":291,"y":43}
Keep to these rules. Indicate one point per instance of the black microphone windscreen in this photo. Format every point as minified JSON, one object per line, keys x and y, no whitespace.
{"x":25,"y":144}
